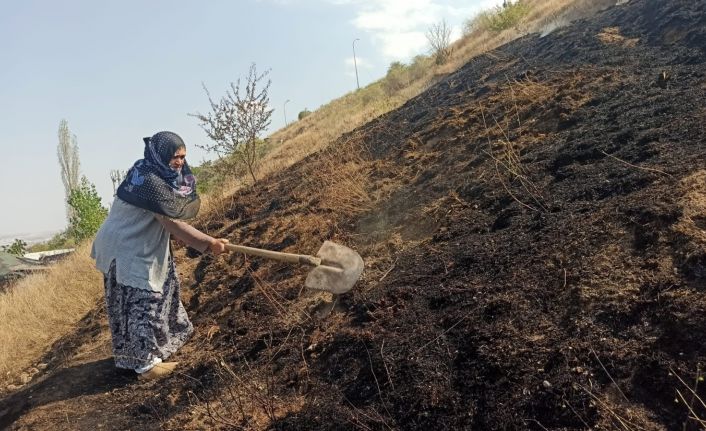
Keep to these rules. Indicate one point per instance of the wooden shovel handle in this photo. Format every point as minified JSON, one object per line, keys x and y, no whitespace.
{"x":301,"y":259}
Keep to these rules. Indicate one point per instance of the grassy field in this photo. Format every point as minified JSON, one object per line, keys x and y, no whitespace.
{"x":42,"y":307}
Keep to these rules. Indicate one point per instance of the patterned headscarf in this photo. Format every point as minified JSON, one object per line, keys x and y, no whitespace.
{"x":153,"y":185}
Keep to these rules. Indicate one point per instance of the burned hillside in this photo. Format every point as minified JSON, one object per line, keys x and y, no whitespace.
{"x":534,"y":231}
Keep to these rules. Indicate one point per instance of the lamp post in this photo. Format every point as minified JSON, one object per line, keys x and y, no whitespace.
{"x":355,"y":64}
{"x":285,"y":112}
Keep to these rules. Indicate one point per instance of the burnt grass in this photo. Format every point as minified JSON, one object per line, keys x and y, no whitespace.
{"x":533,"y":260}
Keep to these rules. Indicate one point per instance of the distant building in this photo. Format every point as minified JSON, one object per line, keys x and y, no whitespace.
{"x":49,"y":255}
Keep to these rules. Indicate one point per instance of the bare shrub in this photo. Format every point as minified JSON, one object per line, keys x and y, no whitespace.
{"x":506,"y":150}
{"x":237,"y":120}
{"x":116,"y":177}
{"x":439,"y":37}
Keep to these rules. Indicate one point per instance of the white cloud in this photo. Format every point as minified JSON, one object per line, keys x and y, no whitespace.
{"x":401,"y":45}
{"x":397,"y":28}
{"x":279,"y":2}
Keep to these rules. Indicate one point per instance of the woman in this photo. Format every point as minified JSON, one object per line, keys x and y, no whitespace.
{"x":147,"y":319}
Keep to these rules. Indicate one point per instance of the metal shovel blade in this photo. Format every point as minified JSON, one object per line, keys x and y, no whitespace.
{"x":339,"y":270}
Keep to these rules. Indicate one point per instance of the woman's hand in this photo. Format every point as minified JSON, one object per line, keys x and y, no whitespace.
{"x":218,"y":246}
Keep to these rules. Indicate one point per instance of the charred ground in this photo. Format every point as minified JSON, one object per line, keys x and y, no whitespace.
{"x":533,"y":227}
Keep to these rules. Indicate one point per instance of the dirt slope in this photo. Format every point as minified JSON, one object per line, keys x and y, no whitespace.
{"x":534,"y":230}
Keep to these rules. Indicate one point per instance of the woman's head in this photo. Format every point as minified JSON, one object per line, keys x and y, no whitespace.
{"x":162,"y":182}
{"x":166,"y":149}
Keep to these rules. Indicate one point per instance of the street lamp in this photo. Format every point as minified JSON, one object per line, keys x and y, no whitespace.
{"x":355,"y":64}
{"x":285,"y":112}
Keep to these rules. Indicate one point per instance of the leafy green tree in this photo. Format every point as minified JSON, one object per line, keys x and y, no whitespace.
{"x":18,"y":247}
{"x":88,"y":213}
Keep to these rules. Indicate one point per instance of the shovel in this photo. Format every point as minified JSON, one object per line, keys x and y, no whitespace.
{"x":336,"y":268}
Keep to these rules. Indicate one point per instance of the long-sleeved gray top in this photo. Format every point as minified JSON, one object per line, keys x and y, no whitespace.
{"x":138,"y":241}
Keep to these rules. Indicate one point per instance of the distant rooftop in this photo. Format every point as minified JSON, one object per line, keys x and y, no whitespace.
{"x":49,"y":253}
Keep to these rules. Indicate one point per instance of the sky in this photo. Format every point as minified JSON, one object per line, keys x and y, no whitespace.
{"x":120,"y":71}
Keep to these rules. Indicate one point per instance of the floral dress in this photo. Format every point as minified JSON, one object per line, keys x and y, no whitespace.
{"x":145,"y":324}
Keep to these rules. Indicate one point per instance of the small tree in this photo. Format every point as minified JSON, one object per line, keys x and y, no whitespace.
{"x":303,"y":114}
{"x":18,"y":248}
{"x":397,"y":77}
{"x":237,"y":120}
{"x":88,"y":213}
{"x":439,"y":37}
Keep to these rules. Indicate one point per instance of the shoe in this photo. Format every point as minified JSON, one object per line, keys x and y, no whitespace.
{"x":158,"y":371}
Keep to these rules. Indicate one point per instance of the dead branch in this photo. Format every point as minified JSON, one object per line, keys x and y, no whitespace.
{"x":389,"y":270}
{"x":609,"y":376}
{"x":637,"y":167}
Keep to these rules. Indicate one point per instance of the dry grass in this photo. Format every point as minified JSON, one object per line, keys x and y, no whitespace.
{"x":612,"y":36}
{"x":504,"y":150}
{"x":693,"y":202}
{"x":327,"y":124}
{"x":508,"y":129}
{"x":342,"y":180}
{"x":216,"y":203}
{"x":245,"y":398}
{"x":42,"y":307}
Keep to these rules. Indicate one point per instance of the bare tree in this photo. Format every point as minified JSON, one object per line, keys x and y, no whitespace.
{"x":67,"y":151}
{"x":116,"y":177}
{"x":238,"y":118}
{"x":439,"y":37}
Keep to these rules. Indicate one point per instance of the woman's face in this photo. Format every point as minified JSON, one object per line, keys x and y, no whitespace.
{"x":177,"y":161}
